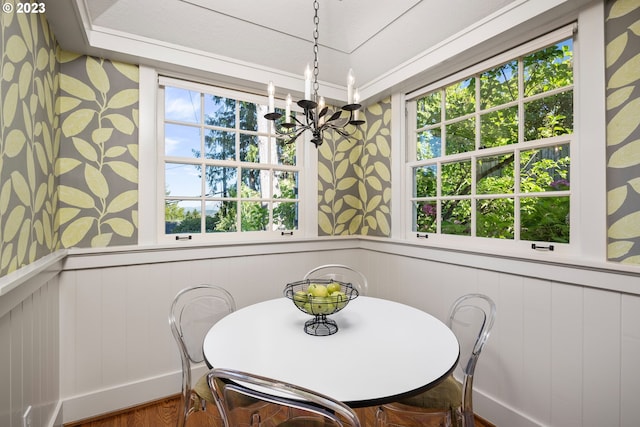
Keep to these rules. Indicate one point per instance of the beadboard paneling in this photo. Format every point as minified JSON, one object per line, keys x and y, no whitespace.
{"x":560,"y":354}
{"x":29,"y":354}
{"x":118,"y":350}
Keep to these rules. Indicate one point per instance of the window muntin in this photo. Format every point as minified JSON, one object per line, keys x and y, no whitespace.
{"x":223,"y":159}
{"x":492,"y":150}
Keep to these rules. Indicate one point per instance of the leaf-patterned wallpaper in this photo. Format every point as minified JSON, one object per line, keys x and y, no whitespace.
{"x":354,"y":178}
{"x":29,"y":139}
{"x":98,"y":163}
{"x":68,"y":148}
{"x":622,"y":33}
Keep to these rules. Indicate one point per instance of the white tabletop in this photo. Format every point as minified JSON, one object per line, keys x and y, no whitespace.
{"x":382,"y":351}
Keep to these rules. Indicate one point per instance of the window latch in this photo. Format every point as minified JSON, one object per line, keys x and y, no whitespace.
{"x":542,"y":248}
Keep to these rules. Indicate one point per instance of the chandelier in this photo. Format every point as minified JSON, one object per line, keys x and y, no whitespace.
{"x":316,"y":116}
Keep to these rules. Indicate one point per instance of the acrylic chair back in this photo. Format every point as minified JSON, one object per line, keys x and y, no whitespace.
{"x":471,"y":318}
{"x":342,"y":273}
{"x":300,"y":406}
{"x":193,"y":311}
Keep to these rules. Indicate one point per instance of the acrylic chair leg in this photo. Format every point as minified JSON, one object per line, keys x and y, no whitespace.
{"x":381,"y":417}
{"x":467,"y":419}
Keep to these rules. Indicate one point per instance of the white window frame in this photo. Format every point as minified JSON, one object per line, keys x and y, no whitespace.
{"x":151,"y":172}
{"x":585,"y":138}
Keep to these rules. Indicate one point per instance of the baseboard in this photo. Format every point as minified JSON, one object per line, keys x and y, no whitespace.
{"x":112,"y":399}
{"x":500,"y":414}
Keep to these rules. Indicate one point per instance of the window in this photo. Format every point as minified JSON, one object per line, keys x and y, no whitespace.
{"x":489,"y":151}
{"x":223,"y":168}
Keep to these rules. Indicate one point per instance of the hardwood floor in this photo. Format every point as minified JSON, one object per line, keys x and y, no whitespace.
{"x":163,"y":413}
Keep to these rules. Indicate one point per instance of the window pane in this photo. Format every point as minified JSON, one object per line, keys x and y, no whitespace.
{"x":456,"y":178}
{"x":220,"y":111}
{"x":285,"y":216}
{"x":249,"y":115}
{"x":429,"y":144}
{"x":499,"y":128}
{"x":425,"y":216}
{"x":211,"y":218}
{"x":181,"y":141}
{"x":182,"y":216}
{"x":182,"y":180}
{"x":549,"y":68}
{"x":220,"y":145}
{"x":461,"y":137}
{"x":285,"y":153}
{"x":545,"y":219}
{"x":460,"y":98}
{"x":224,"y":214}
{"x":250,"y":147}
{"x":499,"y":85}
{"x":181,"y":105}
{"x":545,"y":169}
{"x":255,"y":216}
{"x":495,"y":218}
{"x":285,"y":185}
{"x":255,"y":183}
{"x":456,"y":217}
{"x":494,"y":174}
{"x":549,"y":116}
{"x":425,"y":181}
{"x":221,"y":181}
{"x":429,"y":110}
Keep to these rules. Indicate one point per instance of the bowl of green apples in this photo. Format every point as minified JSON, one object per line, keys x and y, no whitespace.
{"x":320,"y":298}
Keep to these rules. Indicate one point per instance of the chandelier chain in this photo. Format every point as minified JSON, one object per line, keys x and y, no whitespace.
{"x":316,"y":64}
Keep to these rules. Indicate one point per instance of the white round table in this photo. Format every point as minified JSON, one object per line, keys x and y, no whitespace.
{"x":383,"y":350}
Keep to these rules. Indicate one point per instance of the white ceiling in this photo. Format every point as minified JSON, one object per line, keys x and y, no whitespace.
{"x":272,"y":39}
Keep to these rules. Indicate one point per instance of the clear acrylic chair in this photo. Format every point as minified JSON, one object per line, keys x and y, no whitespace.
{"x":471,"y":318}
{"x":299,"y":407}
{"x":193,"y":311}
{"x":342,"y":273}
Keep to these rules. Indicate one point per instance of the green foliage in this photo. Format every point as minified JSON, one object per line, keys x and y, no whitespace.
{"x":543,"y":217}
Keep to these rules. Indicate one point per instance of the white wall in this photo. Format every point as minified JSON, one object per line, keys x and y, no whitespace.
{"x":559,"y":355}
{"x":562,"y":353}
{"x":95,"y":338}
{"x":117,"y":349}
{"x":29,"y":344}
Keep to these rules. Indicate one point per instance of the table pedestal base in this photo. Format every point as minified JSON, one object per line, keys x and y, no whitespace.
{"x":321,"y":326}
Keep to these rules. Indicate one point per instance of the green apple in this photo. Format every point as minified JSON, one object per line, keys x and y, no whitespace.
{"x":308,"y":308}
{"x":322,"y":305}
{"x":300,"y":298}
{"x":340,"y":299}
{"x":317,"y":290}
{"x":333,"y":287}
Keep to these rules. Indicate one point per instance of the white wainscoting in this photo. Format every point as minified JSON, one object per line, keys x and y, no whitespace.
{"x":117,"y":348}
{"x":29,"y":344}
{"x":559,"y":355}
{"x":562,"y":353}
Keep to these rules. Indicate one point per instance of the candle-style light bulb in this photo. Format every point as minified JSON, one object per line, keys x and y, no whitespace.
{"x":271,"y":90}
{"x":307,"y":83}
{"x":356,"y":100}
{"x":350,"y":82}
{"x":287,"y":113}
